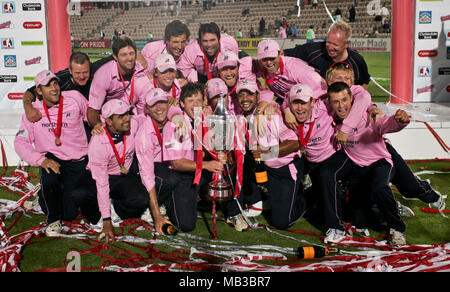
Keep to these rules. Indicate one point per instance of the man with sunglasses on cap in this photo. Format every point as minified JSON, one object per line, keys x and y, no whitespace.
{"x":58,"y":145}
{"x":114,"y":167}
{"x":231,"y":69}
{"x":281,"y":73}
{"x":154,"y":171}
{"x":321,"y":55}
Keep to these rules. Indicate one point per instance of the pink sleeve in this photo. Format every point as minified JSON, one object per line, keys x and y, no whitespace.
{"x":144,"y":153}
{"x":174,"y":110}
{"x":99,"y":87}
{"x":307,"y":75}
{"x":388,"y":124}
{"x":98,"y":165}
{"x":186,"y":64}
{"x":23,"y":144}
{"x":361,"y":102}
{"x":176,"y":147}
{"x":246,"y":69}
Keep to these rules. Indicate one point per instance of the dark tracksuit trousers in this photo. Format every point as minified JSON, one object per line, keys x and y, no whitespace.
{"x":61,"y":196}
{"x":326,"y":177}
{"x":285,"y":194}
{"x":409,"y":185}
{"x":250,"y":193}
{"x":376,"y":178}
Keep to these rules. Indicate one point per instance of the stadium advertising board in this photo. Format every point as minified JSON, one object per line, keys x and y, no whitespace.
{"x":23,"y":48}
{"x":431,"y":57}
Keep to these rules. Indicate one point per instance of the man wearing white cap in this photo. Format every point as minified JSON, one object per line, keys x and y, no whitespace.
{"x":58,"y":144}
{"x":113,"y":166}
{"x":231,"y":69}
{"x":281,"y":73}
{"x":278,"y":148}
{"x":155,"y":173}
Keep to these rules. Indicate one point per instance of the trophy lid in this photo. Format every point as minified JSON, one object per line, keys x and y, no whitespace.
{"x":221,"y":108}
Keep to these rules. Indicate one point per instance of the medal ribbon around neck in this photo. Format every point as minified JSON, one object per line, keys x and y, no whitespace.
{"x":57,"y":132}
{"x":120,"y":160}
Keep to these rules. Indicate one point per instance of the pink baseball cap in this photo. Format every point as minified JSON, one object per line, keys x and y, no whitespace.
{"x":155,"y":95}
{"x":300,"y":92}
{"x":114,"y":107}
{"x":216,"y":86}
{"x":44,"y":77}
{"x":227,"y":59}
{"x":268,"y":49}
{"x":164,"y":62}
{"x":249,"y":85}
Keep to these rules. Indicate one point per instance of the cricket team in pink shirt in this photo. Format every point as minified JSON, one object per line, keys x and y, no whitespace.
{"x":143,"y":160}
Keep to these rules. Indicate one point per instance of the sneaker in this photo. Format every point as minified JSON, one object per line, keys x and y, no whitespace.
{"x":404,"y":210}
{"x":147,"y":216}
{"x":440,"y":203}
{"x":397,"y":237}
{"x":115,"y":219}
{"x":32,"y":201}
{"x":53,"y":229}
{"x":334,"y":235}
{"x":97,"y":227}
{"x":238,"y":222}
{"x":254,"y":210}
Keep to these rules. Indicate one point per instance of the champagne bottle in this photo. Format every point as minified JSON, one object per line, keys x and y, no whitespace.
{"x":312,"y":252}
{"x":169,"y":229}
{"x":260,"y":171}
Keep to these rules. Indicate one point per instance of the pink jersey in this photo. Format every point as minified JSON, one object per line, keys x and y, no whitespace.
{"x":148,"y":151}
{"x":176,"y":147}
{"x":103,"y":162}
{"x":143,"y":85}
{"x":276,"y":133}
{"x":365,"y":143}
{"x":320,"y":145}
{"x":34,"y":140}
{"x":107,"y":84}
{"x":193,"y":58}
{"x":291,"y":72}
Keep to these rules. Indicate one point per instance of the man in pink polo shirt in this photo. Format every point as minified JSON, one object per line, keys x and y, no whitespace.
{"x":278,"y":147}
{"x":199,"y":60}
{"x":281,"y":73}
{"x":373,"y":163}
{"x":57,"y":144}
{"x":115,"y":80}
{"x":114,"y":167}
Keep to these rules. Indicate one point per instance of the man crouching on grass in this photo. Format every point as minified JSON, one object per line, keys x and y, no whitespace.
{"x":366,"y":148}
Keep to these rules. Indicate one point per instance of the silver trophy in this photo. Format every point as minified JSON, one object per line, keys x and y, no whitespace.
{"x":220,"y":139}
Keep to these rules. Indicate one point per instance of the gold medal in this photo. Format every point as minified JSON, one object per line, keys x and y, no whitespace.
{"x":58,"y":141}
{"x":123,"y":169}
{"x":303,"y":151}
